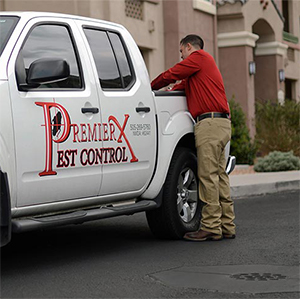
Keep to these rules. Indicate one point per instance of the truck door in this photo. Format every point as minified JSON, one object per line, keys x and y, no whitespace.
{"x":55,"y":124}
{"x":127,"y":110}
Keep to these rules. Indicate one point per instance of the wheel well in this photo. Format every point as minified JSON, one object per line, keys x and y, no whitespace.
{"x":188,"y":141}
{"x":5,"y":210}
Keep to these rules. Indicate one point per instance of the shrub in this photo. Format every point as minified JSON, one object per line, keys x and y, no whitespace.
{"x":241,"y":145}
{"x":277,"y":161}
{"x":278,"y":127}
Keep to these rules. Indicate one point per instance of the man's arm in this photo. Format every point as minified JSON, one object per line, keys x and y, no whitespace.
{"x":179,"y":86}
{"x":179,"y":71}
{"x":160,"y":82}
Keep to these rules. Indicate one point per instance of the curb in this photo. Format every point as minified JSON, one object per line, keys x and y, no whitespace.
{"x":262,"y":189}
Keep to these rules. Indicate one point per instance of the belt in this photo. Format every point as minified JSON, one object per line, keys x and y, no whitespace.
{"x":212,"y":115}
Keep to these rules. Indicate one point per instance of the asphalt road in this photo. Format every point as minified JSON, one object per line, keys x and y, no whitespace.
{"x":119,"y":257}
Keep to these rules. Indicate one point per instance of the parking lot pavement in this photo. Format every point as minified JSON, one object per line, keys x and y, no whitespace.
{"x":120,"y":258}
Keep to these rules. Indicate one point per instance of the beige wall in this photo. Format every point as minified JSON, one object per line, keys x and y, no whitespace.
{"x":148,"y":33}
{"x":294,"y":13}
{"x":171,"y":35}
{"x":181,"y":19}
{"x":230,"y":18}
{"x":253,"y":11}
{"x":196,"y":22}
{"x":279,"y":4}
{"x":63,"y":6}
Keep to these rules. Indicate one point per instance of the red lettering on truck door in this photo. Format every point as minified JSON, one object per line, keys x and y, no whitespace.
{"x":122,"y":134}
{"x":65,"y":125}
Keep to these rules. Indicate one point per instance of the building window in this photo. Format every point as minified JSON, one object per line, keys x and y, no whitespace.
{"x":285,"y":12}
{"x":134,"y":9}
{"x":288,"y":30}
{"x":291,"y":54}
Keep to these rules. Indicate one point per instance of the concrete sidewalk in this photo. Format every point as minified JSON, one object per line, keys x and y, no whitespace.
{"x":243,"y":185}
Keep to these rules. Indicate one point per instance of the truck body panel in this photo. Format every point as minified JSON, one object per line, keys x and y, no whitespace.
{"x":174,"y":122}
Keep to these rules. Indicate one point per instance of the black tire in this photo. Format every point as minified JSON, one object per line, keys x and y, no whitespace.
{"x":168,"y":221}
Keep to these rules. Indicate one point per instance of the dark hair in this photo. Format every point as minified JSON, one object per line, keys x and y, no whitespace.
{"x":194,"y":40}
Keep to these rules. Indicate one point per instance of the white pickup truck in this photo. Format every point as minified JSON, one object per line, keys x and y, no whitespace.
{"x":82,"y":135}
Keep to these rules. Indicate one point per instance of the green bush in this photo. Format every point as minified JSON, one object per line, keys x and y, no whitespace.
{"x":241,"y":145}
{"x":278,"y":127}
{"x":277,"y":161}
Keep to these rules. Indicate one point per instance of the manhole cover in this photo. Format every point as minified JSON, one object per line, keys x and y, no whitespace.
{"x":258,"y":276}
{"x":253,"y":279}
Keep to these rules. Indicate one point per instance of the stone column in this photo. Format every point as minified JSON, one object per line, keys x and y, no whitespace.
{"x":235,"y":53}
{"x":269,"y":58}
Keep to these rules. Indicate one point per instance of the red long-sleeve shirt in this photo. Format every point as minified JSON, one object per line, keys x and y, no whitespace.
{"x":202,"y":82}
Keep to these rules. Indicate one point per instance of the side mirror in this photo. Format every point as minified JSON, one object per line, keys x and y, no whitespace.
{"x":47,"y":70}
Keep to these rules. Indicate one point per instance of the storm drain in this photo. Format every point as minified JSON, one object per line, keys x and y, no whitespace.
{"x":258,"y":276}
{"x":253,"y":279}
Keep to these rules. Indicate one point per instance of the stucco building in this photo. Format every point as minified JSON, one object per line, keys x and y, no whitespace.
{"x":254,"y":42}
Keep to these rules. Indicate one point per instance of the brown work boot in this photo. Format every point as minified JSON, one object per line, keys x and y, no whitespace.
{"x":229,"y":236}
{"x":201,"y":236}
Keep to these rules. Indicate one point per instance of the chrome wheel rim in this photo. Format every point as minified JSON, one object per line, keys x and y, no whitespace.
{"x":187,"y":195}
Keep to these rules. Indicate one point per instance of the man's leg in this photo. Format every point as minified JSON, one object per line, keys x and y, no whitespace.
{"x":228,"y":216}
{"x":209,"y":189}
{"x":211,"y":137}
{"x":208,"y":152}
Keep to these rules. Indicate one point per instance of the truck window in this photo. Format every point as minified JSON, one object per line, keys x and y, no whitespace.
{"x":110,"y":58}
{"x":121,"y":57}
{"x":52,"y":41}
{"x":104,"y":59}
{"x":7,"y":25}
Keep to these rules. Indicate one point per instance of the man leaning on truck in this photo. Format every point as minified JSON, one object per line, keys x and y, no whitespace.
{"x":207,"y":103}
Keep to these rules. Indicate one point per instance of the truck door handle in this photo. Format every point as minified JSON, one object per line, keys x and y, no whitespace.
{"x":142,"y":109}
{"x":93,"y":110}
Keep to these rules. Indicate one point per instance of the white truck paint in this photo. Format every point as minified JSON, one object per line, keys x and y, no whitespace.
{"x":82,"y":135}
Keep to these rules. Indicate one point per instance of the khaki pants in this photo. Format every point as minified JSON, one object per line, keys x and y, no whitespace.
{"x":212,"y":134}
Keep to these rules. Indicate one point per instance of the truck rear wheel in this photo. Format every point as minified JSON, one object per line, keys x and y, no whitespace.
{"x":180,"y":210}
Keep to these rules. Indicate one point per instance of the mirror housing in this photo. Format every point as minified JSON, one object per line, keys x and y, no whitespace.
{"x":47,"y":70}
